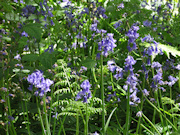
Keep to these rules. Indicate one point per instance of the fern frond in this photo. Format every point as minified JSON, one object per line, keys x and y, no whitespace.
{"x":63,"y":90}
{"x":60,"y":102}
{"x":67,"y":113}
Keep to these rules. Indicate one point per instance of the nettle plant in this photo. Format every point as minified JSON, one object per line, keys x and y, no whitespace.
{"x":89,"y":67}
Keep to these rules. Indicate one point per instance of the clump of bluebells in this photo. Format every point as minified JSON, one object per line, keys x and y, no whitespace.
{"x":133,"y":35}
{"x":107,"y":44}
{"x":85,"y":93}
{"x":41,"y":84}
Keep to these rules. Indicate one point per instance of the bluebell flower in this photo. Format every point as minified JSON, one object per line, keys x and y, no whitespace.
{"x":37,"y":80}
{"x":28,"y":10}
{"x":109,"y":87}
{"x":133,"y":35}
{"x":24,"y":34}
{"x":17,"y":57}
{"x":2,"y":101}
{"x":177,"y":67}
{"x":85,"y":93}
{"x":107,"y":44}
{"x":50,"y":14}
{"x":55,"y":115}
{"x":93,"y":27}
{"x":132,"y":104}
{"x":147,"y":23}
{"x":156,"y":65}
{"x":100,"y":11}
{"x":52,"y":23}
{"x":111,"y":65}
{"x":121,"y":5}
{"x":129,"y":61}
{"x":148,"y":39}
{"x":50,"y":49}
{"x":15,"y":1}
{"x":172,"y":80}
{"x":169,"y":5}
{"x":144,"y":3}
{"x":117,"y":24}
{"x":145,"y":92}
{"x":3,"y":89}
{"x":83,"y":68}
{"x":139,"y":114}
{"x":85,"y":11}
{"x":21,"y":1}
{"x":19,"y":65}
{"x":157,"y":79}
{"x":95,"y":133}
{"x":10,"y":118}
{"x":119,"y":73}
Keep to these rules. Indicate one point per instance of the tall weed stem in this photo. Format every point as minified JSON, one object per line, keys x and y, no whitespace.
{"x":102,"y":97}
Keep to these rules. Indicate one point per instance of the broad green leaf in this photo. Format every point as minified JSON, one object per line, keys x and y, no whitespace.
{"x":89,"y":63}
{"x":22,"y":42}
{"x":14,"y":17}
{"x":47,"y":60}
{"x":33,"y":30}
{"x":30,"y":57}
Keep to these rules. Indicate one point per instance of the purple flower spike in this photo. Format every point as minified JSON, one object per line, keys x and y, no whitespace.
{"x":85,"y":93}
{"x":172,"y":80}
{"x":37,"y":80}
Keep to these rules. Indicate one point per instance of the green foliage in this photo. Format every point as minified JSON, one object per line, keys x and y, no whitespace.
{"x":30,"y":57}
{"x":34,"y":30}
{"x":89,"y":63}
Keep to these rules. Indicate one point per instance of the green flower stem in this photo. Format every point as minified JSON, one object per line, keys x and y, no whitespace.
{"x":54,"y":124}
{"x":179,"y":80}
{"x":27,"y":117}
{"x":118,"y":122}
{"x":141,"y":108}
{"x":112,"y":81}
{"x":160,"y":95}
{"x":143,"y":126}
{"x":102,"y":97}
{"x":62,"y":127}
{"x":4,"y":97}
{"x":51,"y":104}
{"x":77,"y":123}
{"x":87,"y":119}
{"x":46,"y":118}
{"x":127,"y":113}
{"x":9,"y":108}
{"x":40,"y":117}
{"x":158,"y":104}
{"x":8,"y":100}
{"x":157,"y":110}
{"x":171,"y":104}
{"x":139,"y":120}
{"x":160,"y":113}
{"x":151,"y":123}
